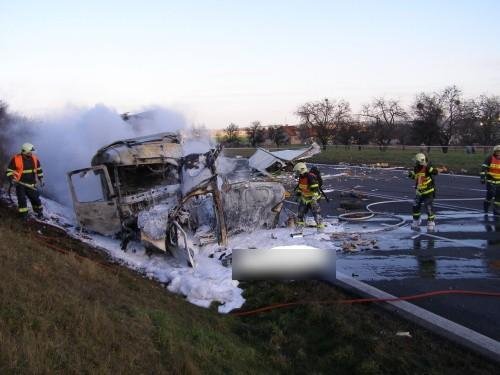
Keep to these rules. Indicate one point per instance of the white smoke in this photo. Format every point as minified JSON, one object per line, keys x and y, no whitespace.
{"x":197,"y":140}
{"x":225,"y":165}
{"x":67,"y":140}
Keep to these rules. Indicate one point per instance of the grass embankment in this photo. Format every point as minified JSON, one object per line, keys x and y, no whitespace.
{"x":455,"y":160}
{"x":75,"y":313}
{"x":66,"y":314}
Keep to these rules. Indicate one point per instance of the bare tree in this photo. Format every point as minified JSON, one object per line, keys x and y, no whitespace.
{"x":255,"y":133}
{"x":426,"y":114}
{"x":452,"y":104}
{"x":324,"y":117}
{"x":488,"y":112}
{"x":304,"y":133}
{"x":468,"y":129}
{"x":361,"y":133}
{"x":384,"y":116}
{"x":278,"y":135}
{"x":403,"y":132}
{"x":232,"y":133}
{"x":346,"y":133}
{"x":437,"y":116}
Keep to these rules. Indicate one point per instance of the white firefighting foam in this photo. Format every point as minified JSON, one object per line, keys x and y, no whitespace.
{"x":210,"y":281}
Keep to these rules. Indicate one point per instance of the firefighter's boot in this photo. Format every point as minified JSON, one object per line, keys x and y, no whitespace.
{"x":415,"y":225}
{"x":320,"y":226}
{"x":431,"y":226}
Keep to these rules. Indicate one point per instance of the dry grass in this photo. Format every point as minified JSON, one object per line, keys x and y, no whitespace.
{"x":62,"y":314}
{"x":72,"y":314}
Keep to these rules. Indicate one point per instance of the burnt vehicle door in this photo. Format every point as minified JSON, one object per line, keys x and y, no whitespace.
{"x":252,"y":205}
{"x":94,"y":200}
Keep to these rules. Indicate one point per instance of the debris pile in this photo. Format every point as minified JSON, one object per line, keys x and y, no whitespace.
{"x":352,"y":243}
{"x":268,"y":162}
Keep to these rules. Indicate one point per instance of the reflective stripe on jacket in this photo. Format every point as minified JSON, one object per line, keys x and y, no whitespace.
{"x":308,"y":185}
{"x":493,"y":169}
{"x":424,"y":181}
{"x":16,"y":167}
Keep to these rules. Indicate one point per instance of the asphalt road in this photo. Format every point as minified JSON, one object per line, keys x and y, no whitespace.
{"x":464,"y":252}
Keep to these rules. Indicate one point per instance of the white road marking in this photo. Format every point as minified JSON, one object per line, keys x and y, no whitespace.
{"x":451,"y":240}
{"x":411,"y":200}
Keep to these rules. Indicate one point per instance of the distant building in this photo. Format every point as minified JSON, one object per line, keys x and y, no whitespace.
{"x":293,"y":134}
{"x":296,"y":134}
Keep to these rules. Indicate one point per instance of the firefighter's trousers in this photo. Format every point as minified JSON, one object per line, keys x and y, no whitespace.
{"x":492,"y":197}
{"x":305,"y":206}
{"x":33,"y":195}
{"x":427,"y":200}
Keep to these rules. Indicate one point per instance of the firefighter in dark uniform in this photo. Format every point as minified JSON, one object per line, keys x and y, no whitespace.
{"x":490,"y":175}
{"x":25,"y":171}
{"x":308,"y":194}
{"x":423,"y":173}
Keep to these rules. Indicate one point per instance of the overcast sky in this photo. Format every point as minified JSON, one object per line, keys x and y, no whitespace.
{"x":239,"y":61}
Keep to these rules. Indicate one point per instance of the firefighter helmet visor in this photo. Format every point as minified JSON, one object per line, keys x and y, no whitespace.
{"x":420,"y":159}
{"x":26,"y":148}
{"x":300,"y":168}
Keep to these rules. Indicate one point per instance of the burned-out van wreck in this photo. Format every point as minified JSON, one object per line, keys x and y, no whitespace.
{"x":149,"y":189}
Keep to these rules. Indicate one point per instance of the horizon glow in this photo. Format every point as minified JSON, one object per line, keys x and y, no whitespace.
{"x":223,"y":61}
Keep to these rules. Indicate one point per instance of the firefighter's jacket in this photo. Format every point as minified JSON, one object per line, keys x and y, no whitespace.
{"x":25,"y":169}
{"x":308,"y":187}
{"x":424,"y":179}
{"x":491,"y":170}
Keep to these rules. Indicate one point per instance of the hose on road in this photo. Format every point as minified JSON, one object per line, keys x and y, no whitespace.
{"x":367,"y":300}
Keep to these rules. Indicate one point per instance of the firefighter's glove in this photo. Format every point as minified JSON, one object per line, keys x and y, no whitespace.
{"x":411,"y":174}
{"x":483,"y":181}
{"x":41,"y":182}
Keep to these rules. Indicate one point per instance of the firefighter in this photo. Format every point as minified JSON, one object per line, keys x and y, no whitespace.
{"x":24,"y":171}
{"x":307,"y":192}
{"x":490,"y":175}
{"x":423,"y":173}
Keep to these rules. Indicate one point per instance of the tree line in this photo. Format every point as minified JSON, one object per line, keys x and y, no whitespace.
{"x":441,"y":118}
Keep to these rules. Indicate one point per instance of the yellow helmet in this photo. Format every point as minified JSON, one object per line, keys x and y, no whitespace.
{"x":496,"y":148}
{"x":420,"y":159}
{"x":300,"y":168}
{"x":27,"y":148}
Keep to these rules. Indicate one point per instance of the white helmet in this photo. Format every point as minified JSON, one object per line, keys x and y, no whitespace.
{"x":496,"y":148}
{"x":300,"y":168}
{"x":27,"y":148}
{"x":420,"y":159}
